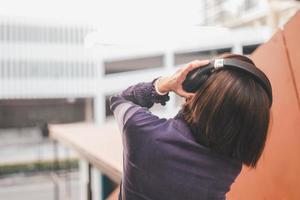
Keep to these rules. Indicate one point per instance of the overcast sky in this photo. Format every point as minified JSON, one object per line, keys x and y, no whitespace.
{"x":105,"y":12}
{"x":130,"y":21}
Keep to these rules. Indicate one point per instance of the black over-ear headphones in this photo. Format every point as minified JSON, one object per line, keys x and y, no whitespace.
{"x":198,"y":76}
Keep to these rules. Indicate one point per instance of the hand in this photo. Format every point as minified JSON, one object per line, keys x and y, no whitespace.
{"x":174,"y":82}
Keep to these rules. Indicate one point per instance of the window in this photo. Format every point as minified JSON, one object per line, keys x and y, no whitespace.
{"x":116,"y":66}
{"x":185,"y":57}
{"x":47,"y":69}
{"x":248,"y":49}
{"x":13,"y":32}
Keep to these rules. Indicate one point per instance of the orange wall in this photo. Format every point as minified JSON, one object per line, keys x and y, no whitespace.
{"x":291,"y":34}
{"x":278,"y":173}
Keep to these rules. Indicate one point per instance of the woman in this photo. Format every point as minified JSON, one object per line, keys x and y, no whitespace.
{"x":198,"y":153}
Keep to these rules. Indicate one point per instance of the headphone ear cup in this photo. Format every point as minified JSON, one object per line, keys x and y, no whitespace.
{"x":196,"y":78}
{"x":201,"y":80}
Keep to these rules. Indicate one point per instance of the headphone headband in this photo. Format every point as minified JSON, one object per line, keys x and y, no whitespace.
{"x":230,"y":63}
{"x":196,"y":77}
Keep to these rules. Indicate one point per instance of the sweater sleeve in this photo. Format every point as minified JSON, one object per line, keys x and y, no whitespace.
{"x":137,"y":98}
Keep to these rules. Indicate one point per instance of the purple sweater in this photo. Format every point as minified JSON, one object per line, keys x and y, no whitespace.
{"x":161,"y":158}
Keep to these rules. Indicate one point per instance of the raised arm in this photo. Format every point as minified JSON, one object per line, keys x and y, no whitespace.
{"x":142,"y":96}
{"x":137,"y":97}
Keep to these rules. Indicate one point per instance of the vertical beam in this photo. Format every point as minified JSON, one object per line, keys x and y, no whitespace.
{"x":272,"y":16}
{"x":97,"y":184}
{"x":99,"y":98}
{"x":99,"y":108}
{"x":169,"y":61}
{"x":89,"y":183}
{"x":99,"y":118}
{"x":56,"y":168}
{"x":83,"y":179}
{"x":68,"y":183}
{"x":237,"y":47}
{"x":88,"y":110}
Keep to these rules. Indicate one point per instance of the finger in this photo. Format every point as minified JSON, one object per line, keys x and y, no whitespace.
{"x":190,"y":66}
{"x":185,"y":94}
{"x":179,"y":69}
{"x":195,"y":64}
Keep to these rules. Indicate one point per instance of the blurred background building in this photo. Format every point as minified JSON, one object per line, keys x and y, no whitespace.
{"x":248,"y":13}
{"x":48,"y":76}
{"x":45,"y":77}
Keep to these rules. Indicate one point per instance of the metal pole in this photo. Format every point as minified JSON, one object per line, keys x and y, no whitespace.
{"x":68,"y":172}
{"x":89,"y":185}
{"x":56,"y":167}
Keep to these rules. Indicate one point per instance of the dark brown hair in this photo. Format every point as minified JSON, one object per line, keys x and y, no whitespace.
{"x":230,"y":114}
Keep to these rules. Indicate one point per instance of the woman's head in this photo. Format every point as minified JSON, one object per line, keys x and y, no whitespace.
{"x":230,"y":113}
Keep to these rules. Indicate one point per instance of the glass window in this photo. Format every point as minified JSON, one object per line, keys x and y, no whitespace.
{"x":248,"y":49}
{"x":185,"y":57}
{"x":117,"y":66}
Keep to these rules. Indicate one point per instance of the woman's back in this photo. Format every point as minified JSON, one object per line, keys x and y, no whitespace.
{"x":165,"y":162}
